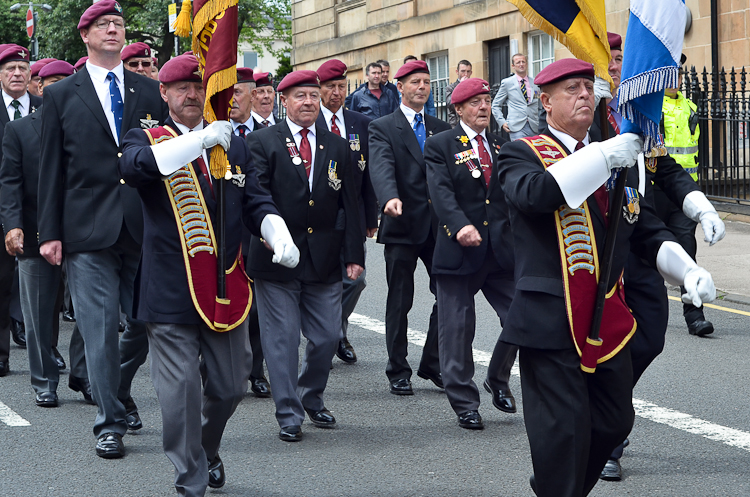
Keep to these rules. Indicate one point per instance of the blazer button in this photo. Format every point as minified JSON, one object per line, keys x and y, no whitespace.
{"x":122,"y":181}
{"x":487,"y":201}
{"x":309,"y":230}
{"x":119,"y":154}
{"x":429,"y":200}
{"x":311,"y":202}
{"x":485,"y":223}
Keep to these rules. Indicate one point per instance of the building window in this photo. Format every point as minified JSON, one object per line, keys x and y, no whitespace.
{"x":439,"y":75}
{"x":541,"y":52}
{"x":250,"y":59}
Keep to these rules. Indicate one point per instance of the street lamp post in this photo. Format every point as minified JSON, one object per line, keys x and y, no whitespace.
{"x":31,"y":17}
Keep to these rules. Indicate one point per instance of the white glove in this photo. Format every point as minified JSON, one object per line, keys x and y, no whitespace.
{"x":216,"y":133}
{"x":172,"y":154}
{"x":581,"y":173}
{"x":275,"y":232}
{"x":677,"y":268}
{"x":601,"y":90}
{"x":698,"y":208}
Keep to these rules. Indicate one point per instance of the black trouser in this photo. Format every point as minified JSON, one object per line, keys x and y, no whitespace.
{"x":683,"y":228}
{"x":573,"y":419}
{"x":7,"y":271}
{"x":254,"y":332}
{"x":400,"y":263}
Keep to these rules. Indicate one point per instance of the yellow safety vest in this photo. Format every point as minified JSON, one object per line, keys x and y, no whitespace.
{"x":681,"y":144}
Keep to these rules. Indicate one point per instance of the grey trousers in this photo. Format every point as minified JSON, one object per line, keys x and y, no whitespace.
{"x":285,"y":308}
{"x":100,"y":282}
{"x":457,"y":325}
{"x":350,"y":293}
{"x":191,"y":366}
{"x":522,"y":133}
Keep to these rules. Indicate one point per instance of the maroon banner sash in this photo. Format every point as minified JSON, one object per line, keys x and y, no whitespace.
{"x":580,"y":271}
{"x":199,"y":249}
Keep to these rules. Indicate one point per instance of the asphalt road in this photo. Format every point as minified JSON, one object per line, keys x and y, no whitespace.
{"x":386,"y":445}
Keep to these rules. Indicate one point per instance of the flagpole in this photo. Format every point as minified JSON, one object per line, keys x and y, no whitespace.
{"x":221,"y":248}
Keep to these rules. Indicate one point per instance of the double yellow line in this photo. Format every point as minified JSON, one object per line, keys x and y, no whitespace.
{"x":712,"y":306}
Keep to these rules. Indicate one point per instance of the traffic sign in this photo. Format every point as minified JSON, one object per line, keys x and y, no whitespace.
{"x":30,"y":27}
{"x":172,"y":11}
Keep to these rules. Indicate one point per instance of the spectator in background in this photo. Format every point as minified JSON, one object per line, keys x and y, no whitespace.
{"x":522,"y":97}
{"x":463,"y":71}
{"x":385,"y":73}
{"x":154,"y":69}
{"x":429,"y":107}
{"x":373,"y":100}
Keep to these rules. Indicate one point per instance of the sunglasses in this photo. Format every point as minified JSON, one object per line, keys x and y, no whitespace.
{"x":135,"y":63}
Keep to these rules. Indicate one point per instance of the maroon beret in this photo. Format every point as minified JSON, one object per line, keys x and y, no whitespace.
{"x":245,"y":75}
{"x":155,"y":61}
{"x":181,"y":68}
{"x":138,"y":49}
{"x":299,"y":78}
{"x":81,"y":62}
{"x":14,"y":53}
{"x":37,"y":66}
{"x":100,"y":8}
{"x":469,"y":88}
{"x":4,"y":46}
{"x":332,"y":69}
{"x":57,"y":68}
{"x":410,"y":68}
{"x":564,"y":69}
{"x":615,"y":41}
{"x":262,"y":79}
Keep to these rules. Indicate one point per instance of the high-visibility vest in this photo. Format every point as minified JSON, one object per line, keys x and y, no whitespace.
{"x":681,"y":144}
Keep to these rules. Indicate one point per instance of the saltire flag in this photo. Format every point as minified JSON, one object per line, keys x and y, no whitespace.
{"x":580,"y":25}
{"x":653,"y":46}
{"x":215,"y":31}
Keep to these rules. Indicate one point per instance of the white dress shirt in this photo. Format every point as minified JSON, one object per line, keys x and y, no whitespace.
{"x":411,"y":114}
{"x":23,"y":108}
{"x":98,"y":77}
{"x":250,"y":123}
{"x":567,"y":140}
{"x":295,"y":129}
{"x":260,"y":118}
{"x":328,"y":115}
{"x":473,"y":139}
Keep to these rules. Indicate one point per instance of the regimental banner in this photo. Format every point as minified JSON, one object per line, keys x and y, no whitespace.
{"x":580,"y":272}
{"x":199,"y":249}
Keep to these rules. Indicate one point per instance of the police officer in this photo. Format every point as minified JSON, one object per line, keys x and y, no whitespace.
{"x":352,"y":126}
{"x":473,"y":250}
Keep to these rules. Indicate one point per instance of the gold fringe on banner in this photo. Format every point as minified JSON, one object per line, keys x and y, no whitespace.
{"x":218,"y":81}
{"x":208,"y":12}
{"x":182,"y":23}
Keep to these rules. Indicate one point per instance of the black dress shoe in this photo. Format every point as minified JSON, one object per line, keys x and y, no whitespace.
{"x":109,"y":446}
{"x":4,"y":368}
{"x":131,"y":414}
{"x":437,"y":379}
{"x":216,"y":476}
{"x":260,"y":387}
{"x":471,"y":420}
{"x":46,"y":399}
{"x":401,"y":386}
{"x":18,"y":332}
{"x":58,"y":359}
{"x":699,"y":327}
{"x":290,"y":433}
{"x":68,"y":317}
{"x":81,"y":385}
{"x":501,"y":399}
{"x":612,"y":471}
{"x":322,"y":418}
{"x":345,"y":352}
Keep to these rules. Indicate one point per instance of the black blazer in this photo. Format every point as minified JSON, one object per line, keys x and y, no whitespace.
{"x":398,"y":170}
{"x":162,"y":294}
{"x":81,"y":200}
{"x":323,"y":222}
{"x":460,"y":200}
{"x":357,"y":124}
{"x":537,"y":317}
{"x":19,"y":179}
{"x":34,"y":104}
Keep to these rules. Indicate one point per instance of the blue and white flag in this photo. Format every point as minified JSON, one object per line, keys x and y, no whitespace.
{"x":653,"y":46}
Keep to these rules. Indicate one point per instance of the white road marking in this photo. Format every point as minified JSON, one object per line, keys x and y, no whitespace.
{"x":647,"y":410}
{"x":10,"y":418}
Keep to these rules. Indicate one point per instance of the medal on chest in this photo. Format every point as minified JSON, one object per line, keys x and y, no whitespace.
{"x":354,"y":143}
{"x":333,"y":177}
{"x":291,"y":147}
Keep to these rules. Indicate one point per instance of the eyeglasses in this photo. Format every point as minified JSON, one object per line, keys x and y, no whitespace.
{"x":104,"y":24}
{"x":133,"y":64}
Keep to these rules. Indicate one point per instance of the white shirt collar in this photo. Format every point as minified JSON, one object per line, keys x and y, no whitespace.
{"x":473,"y":134}
{"x":23,"y":99}
{"x":327,"y":114}
{"x":567,"y":140}
{"x":260,"y":118}
{"x":411,"y":113}
{"x":249,"y":123}
{"x":296,"y":128}
{"x":100,"y":74}
{"x":185,"y":130}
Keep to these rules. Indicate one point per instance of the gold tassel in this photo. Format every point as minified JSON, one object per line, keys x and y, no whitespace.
{"x":182,"y":23}
{"x":220,"y":167}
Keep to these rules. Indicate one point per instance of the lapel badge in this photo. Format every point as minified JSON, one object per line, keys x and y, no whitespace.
{"x":333,"y":178}
{"x":464,"y":139}
{"x":148,"y":122}
{"x":633,"y":208}
{"x":288,"y":140}
{"x":362,"y":163}
{"x":33,"y":109}
{"x":131,"y":90}
{"x":651,"y":164}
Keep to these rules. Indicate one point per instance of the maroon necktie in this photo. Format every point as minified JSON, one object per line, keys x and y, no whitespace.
{"x":305,"y":151}
{"x":485,"y":160}
{"x":242,"y":129}
{"x":334,"y":128}
{"x":266,"y":123}
{"x":601,"y":195}
{"x":612,"y":121}
{"x":206,"y":174}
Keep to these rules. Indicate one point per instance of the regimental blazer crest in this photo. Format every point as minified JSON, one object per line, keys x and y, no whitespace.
{"x":239,"y":177}
{"x":149,"y":123}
